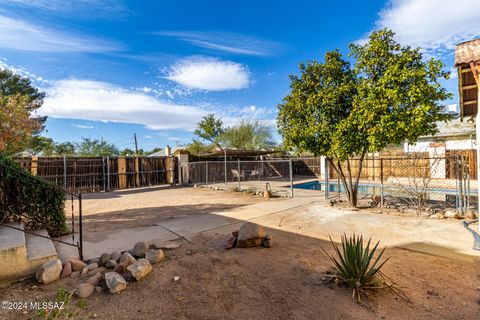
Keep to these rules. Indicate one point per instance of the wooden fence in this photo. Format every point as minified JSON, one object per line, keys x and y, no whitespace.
{"x":93,"y":174}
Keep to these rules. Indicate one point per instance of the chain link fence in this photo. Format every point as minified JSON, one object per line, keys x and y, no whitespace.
{"x":425,"y":184}
{"x":254,"y":176}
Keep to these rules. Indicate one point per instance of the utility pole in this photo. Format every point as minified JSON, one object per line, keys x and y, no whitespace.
{"x":136,"y":145}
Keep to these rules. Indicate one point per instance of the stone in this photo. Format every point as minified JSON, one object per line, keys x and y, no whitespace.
{"x":140,"y":268}
{"x":139,"y":249}
{"x":50,"y":271}
{"x":92,"y":266}
{"x":115,"y":256}
{"x":250,"y":235}
{"x":98,"y":289}
{"x":154,"y":256}
{"x":96,"y":260}
{"x":111,"y":264}
{"x":120,"y":269}
{"x":267,"y":241}
{"x":450,"y":213}
{"x":126,"y":259}
{"x":176,"y":278}
{"x":77,"y":265}
{"x":95,"y":271}
{"x":103,"y":259}
{"x":75,"y":274}
{"x":115,"y":282}
{"x":470,"y":215}
{"x":84,"y":290}
{"x":67,"y":270}
{"x":95,"y":279}
{"x":438,"y":215}
{"x":167,"y":245}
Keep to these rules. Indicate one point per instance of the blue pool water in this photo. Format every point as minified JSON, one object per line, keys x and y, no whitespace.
{"x":370,"y":188}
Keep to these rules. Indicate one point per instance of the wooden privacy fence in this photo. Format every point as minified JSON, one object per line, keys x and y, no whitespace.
{"x":92,"y":174}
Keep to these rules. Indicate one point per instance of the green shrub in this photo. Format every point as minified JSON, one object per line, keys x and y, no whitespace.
{"x":32,"y":200}
{"x":356,"y":266}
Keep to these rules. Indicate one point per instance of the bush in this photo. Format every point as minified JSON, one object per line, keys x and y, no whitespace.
{"x":29,"y":199}
{"x":355,"y":265}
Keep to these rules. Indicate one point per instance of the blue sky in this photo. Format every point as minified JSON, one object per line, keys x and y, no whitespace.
{"x":112,"y":68}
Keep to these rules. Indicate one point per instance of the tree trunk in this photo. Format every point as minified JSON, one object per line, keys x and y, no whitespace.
{"x":350,"y":184}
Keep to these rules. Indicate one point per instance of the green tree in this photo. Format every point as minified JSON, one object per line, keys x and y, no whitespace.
{"x":210,"y":129}
{"x":198,"y":148}
{"x":64,"y":149}
{"x":127,"y":152}
{"x":248,"y":135}
{"x":39,"y":145}
{"x":12,"y":84}
{"x":96,"y":148}
{"x":391,"y":95}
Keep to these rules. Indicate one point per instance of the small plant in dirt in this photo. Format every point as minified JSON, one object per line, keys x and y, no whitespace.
{"x":357,"y":266}
{"x":63,"y":308}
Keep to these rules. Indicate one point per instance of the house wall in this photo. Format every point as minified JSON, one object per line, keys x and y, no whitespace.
{"x":430,"y":145}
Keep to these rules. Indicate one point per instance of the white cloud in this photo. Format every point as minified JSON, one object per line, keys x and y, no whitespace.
{"x":22,"y":35}
{"x":436,"y":26}
{"x":77,"y":7}
{"x":225,"y":42}
{"x":209,"y":74}
{"x":82,"y":126}
{"x":148,"y":136}
{"x":24,"y":73}
{"x":94,"y":100}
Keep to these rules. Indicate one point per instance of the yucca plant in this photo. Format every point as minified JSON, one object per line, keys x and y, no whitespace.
{"x":356,"y":265}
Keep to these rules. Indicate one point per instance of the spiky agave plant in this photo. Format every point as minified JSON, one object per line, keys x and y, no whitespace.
{"x":356,"y":265}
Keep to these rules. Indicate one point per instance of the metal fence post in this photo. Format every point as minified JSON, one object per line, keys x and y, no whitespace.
{"x":80,"y":225}
{"x":290,"y":166}
{"x":238,"y":172}
{"x":108,"y":173}
{"x":327,"y":189}
{"x":103,"y":174}
{"x":225,"y":164}
{"x":65,"y":172}
{"x":206,"y":172}
{"x":381,"y":183}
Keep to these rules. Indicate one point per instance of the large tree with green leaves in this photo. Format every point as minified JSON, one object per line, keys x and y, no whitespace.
{"x":96,"y":148}
{"x":19,"y":99}
{"x":248,"y":135}
{"x":391,"y":95}
{"x":210,"y":129}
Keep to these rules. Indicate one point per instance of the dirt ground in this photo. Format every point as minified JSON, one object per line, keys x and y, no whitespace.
{"x":132,"y":209}
{"x":282,"y":282}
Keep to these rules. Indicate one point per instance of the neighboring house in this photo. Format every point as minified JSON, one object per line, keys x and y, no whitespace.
{"x":452,"y":135}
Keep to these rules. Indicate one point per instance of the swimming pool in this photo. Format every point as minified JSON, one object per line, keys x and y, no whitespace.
{"x":373,"y":188}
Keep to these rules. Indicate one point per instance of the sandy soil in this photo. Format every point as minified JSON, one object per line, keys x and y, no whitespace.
{"x":139,"y":208}
{"x":282,"y":282}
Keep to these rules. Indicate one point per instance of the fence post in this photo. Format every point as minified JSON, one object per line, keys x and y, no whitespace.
{"x":225,"y":165}
{"x":206,"y":172}
{"x":80,"y":225}
{"x":381,"y":183}
{"x":238,"y":172}
{"x":290,"y":166}
{"x":108,"y":173}
{"x":65,"y":172}
{"x":103,"y":173}
{"x":468,"y":185}
{"x":326,"y":174}
{"x":122,"y":172}
{"x":34,"y":165}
